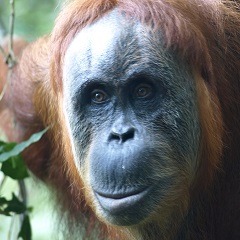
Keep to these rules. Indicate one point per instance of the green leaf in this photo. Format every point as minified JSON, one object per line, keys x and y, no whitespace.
{"x":2,"y":143}
{"x":18,"y":148}
{"x":3,"y":205}
{"x":25,"y":232}
{"x":6,"y":147}
{"x":3,"y":201}
{"x":15,"y":168}
{"x":15,"y":206}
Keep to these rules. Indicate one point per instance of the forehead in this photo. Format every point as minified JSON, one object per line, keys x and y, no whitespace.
{"x":115,"y":42}
{"x":101,"y":37}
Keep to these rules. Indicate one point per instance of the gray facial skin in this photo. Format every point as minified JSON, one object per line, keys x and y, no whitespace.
{"x":132,"y":116}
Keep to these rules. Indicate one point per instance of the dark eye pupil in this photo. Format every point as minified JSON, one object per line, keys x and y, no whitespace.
{"x":143,"y":91}
{"x":98,"y":96}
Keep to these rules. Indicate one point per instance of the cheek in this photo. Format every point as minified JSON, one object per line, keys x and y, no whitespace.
{"x":188,"y":126}
{"x":80,"y":136}
{"x":181,"y":120}
{"x":178,"y":121}
{"x":186,"y":137}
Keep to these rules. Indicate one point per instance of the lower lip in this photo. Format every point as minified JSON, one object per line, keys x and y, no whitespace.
{"x":118,"y":205}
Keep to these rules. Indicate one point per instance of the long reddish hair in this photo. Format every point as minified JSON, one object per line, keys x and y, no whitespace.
{"x":206,"y":35}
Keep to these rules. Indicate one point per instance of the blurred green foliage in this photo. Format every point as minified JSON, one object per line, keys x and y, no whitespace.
{"x":33,"y":18}
{"x":12,"y":165}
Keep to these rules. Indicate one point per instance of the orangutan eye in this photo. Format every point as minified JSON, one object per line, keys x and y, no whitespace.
{"x":99,"y":96}
{"x":143,"y":91}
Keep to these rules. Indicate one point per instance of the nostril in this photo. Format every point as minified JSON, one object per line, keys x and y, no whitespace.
{"x":128,"y":135}
{"x":115,"y":136}
{"x":122,"y":137}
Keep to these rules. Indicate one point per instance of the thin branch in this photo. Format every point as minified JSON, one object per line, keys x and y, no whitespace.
{"x":11,"y":58}
{"x":10,"y":61}
{"x":2,"y":182}
{"x":23,"y":196}
{"x":23,"y":191}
